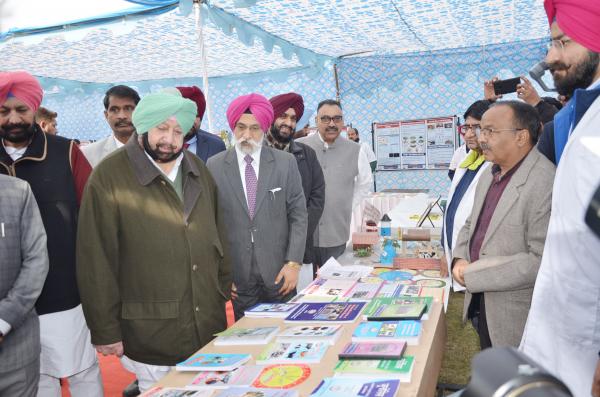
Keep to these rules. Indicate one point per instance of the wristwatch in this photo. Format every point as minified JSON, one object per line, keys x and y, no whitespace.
{"x":294,"y":265}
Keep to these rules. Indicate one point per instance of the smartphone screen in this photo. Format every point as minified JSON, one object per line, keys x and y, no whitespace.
{"x":506,"y":86}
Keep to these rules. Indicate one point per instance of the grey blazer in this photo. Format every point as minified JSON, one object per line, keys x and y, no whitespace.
{"x":23,"y":269}
{"x":96,"y":152}
{"x":512,"y":249}
{"x":279,"y":225}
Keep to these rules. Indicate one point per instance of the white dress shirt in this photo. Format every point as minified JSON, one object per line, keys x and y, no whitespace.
{"x":242,"y":164}
{"x":118,"y":142}
{"x":15,"y":153}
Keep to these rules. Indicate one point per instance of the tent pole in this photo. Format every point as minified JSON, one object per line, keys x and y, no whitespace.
{"x":205,"y":87}
{"x":337,"y":82}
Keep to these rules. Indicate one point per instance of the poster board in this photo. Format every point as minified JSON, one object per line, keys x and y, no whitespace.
{"x":418,"y":144}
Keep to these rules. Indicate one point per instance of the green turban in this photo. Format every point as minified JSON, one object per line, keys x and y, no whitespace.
{"x":156,"y":108}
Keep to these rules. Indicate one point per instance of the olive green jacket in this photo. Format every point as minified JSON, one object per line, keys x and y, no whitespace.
{"x":153,"y":271}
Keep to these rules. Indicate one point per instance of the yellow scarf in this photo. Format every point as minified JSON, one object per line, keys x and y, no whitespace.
{"x":473,"y":160}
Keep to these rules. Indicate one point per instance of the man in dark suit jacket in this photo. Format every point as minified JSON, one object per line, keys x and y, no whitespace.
{"x":288,"y":109}
{"x":203,"y":144}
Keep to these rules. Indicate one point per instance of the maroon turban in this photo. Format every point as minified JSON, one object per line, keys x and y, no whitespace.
{"x":579,"y":19}
{"x":283,"y":102}
{"x":195,"y":95}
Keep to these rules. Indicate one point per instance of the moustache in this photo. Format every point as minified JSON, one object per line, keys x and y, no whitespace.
{"x":332,"y":129}
{"x":123,"y":124}
{"x":18,"y":126}
{"x":557,"y":66}
{"x":484,"y":146}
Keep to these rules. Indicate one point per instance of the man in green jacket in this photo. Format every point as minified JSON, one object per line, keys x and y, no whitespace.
{"x":153,"y":269}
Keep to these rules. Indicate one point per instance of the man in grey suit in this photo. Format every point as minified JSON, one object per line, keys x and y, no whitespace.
{"x":260,"y":190}
{"x":119,"y":103}
{"x":23,"y":269}
{"x":498,"y":251}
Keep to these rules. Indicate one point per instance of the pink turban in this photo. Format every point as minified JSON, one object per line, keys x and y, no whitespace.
{"x":258,"y":105}
{"x":283,"y":102}
{"x":579,"y":19}
{"x":22,"y":86}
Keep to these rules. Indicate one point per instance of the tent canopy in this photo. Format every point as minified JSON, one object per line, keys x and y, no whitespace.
{"x":136,"y":40}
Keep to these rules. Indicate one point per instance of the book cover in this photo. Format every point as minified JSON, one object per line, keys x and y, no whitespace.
{"x":338,"y":312}
{"x":390,"y":290}
{"x":245,"y":336}
{"x":275,"y":310}
{"x":378,"y":304}
{"x":329,"y":287}
{"x":392,"y":369}
{"x":313,"y":333}
{"x":377,"y":331}
{"x":212,"y":362}
{"x":336,"y":273}
{"x":256,"y":392}
{"x":160,"y":391}
{"x":363,"y":292}
{"x":301,"y":298}
{"x":241,"y":376}
{"x":340,"y":387}
{"x":282,"y":376}
{"x":373,"y":350}
{"x":293,"y":353}
{"x":399,"y":311}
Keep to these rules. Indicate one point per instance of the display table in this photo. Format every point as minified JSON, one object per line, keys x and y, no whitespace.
{"x":428,"y":353}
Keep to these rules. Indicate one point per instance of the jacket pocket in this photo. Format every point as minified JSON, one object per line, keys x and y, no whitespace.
{"x":150,"y":310}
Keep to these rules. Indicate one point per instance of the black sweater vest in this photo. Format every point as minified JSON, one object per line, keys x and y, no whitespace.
{"x":46,"y":166}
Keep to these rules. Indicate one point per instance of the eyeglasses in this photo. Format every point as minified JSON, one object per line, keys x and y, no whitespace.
{"x":327,"y":119}
{"x":558,"y":44}
{"x":490,"y":131}
{"x":463,"y":129}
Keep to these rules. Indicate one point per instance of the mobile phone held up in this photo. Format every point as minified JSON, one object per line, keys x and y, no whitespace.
{"x":506,"y":86}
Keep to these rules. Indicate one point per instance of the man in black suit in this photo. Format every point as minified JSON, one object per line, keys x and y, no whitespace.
{"x":202,"y":143}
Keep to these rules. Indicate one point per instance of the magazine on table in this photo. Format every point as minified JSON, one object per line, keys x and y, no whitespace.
{"x":311,"y":333}
{"x":338,"y":312}
{"x":408,"y":331}
{"x":342,"y":387}
{"x":213,"y":362}
{"x":245,"y":336}
{"x":292,"y":353}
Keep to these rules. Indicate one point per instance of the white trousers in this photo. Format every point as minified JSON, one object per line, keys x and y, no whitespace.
{"x":87,"y":383}
{"x":146,"y":374}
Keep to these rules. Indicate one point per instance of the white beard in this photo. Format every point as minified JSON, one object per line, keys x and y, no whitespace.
{"x":249,"y":146}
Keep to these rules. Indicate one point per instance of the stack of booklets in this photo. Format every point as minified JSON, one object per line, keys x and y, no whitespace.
{"x":213,"y":362}
{"x":363,"y":291}
{"x":256,"y":392}
{"x":241,"y":376}
{"x":245,"y":336}
{"x":280,"y":376}
{"x":160,"y":391}
{"x":400,"y":369}
{"x":328,"y":334}
{"x":292,"y":353}
{"x":373,"y":350}
{"x":328,"y":288}
{"x":391,"y":289}
{"x":386,"y":331}
{"x":406,"y":308}
{"x":340,"y":387}
{"x":336,"y":312}
{"x":271,"y":310}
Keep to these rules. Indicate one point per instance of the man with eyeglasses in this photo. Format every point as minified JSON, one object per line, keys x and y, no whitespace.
{"x":563,"y":327}
{"x":498,"y":251}
{"x":347,"y":174}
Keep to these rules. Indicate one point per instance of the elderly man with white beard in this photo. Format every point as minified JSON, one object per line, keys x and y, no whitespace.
{"x":260,"y":190}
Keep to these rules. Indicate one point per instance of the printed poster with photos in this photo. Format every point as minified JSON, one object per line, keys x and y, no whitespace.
{"x":415,"y":144}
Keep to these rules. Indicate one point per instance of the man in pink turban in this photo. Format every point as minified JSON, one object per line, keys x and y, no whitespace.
{"x":288,"y":109}
{"x":202,"y":143}
{"x":264,"y":208}
{"x":563,"y":328}
{"x":57,"y":172}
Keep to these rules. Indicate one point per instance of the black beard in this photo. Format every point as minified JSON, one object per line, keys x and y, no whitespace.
{"x":581,"y":76}
{"x":278,"y":137}
{"x":20,"y":132}
{"x":156,"y":155}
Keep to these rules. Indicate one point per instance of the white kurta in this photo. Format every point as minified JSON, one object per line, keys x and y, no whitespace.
{"x":463,"y":211}
{"x":563,"y":328}
{"x":66,"y":343}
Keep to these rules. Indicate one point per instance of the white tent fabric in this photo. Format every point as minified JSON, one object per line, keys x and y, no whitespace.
{"x":269,"y":35}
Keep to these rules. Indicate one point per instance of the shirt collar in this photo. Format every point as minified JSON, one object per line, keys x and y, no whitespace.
{"x":241,"y":155}
{"x":496,"y":169}
{"x":192,"y":140}
{"x":594,"y":85}
{"x":118,"y":142}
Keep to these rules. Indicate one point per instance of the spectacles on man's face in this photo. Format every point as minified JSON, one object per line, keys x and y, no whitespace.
{"x":463,"y":129}
{"x":558,"y":44}
{"x":327,"y":119}
{"x":487,"y":132}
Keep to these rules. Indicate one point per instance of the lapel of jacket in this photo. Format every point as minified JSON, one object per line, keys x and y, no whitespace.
{"x":192,"y":189}
{"x":232,"y":172}
{"x":109,"y":146}
{"x":202,"y":146}
{"x":483,"y":185}
{"x":267,"y":163}
{"x":511,"y":194}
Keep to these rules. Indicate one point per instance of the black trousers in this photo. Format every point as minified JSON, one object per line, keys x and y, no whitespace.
{"x":479,"y":320}
{"x":256,"y":291}
{"x":321,"y":254}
